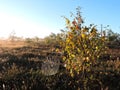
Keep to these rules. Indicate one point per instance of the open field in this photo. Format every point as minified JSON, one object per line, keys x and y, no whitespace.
{"x":11,"y":44}
{"x":20,"y":69}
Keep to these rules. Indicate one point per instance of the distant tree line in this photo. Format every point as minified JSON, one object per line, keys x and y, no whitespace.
{"x":113,"y":39}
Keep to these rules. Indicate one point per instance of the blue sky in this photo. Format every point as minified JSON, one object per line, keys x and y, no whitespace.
{"x":29,"y":18}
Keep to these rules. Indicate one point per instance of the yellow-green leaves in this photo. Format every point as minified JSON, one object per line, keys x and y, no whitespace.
{"x":83,"y":46}
{"x":67,"y":21}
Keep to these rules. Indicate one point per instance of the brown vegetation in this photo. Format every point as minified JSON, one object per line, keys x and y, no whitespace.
{"x":12,"y":44}
{"x":20,"y":68}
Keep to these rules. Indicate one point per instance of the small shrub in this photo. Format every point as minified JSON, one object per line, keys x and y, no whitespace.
{"x":82,"y":45}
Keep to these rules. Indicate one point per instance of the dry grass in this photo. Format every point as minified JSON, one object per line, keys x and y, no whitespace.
{"x":12,"y":44}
